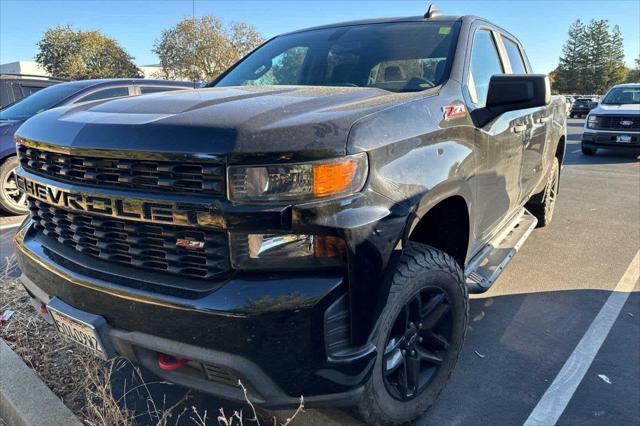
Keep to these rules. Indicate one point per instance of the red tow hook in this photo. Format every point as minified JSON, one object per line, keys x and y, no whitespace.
{"x":169,"y":363}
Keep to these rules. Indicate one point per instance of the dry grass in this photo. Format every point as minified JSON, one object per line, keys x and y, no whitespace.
{"x":84,"y":382}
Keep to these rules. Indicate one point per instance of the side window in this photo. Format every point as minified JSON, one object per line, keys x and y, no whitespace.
{"x":155,"y":89}
{"x":285,"y":68}
{"x":17,"y":91}
{"x":30,"y":90}
{"x":515,"y":58}
{"x":112,"y":92}
{"x":485,"y":62}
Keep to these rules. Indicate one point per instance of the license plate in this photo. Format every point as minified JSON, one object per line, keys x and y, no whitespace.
{"x":84,"y":333}
{"x":623,"y":139}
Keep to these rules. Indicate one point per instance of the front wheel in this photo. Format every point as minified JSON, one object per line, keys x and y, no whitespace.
{"x":587,"y":150}
{"x":419,"y":337}
{"x":12,"y":200}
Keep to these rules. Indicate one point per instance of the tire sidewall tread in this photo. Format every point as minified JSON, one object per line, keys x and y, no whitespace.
{"x":420,"y":266}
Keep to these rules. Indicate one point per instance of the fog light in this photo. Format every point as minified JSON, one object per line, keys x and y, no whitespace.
{"x":285,"y":251}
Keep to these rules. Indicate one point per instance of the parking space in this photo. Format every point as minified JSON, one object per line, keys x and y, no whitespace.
{"x":525,"y":328}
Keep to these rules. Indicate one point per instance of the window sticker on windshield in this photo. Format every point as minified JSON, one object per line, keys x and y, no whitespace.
{"x":444,"y":30}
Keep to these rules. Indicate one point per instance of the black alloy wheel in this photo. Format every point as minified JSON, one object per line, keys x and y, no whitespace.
{"x":417,"y":344}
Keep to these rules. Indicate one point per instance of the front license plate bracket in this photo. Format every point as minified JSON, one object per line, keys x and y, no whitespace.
{"x":83,"y":328}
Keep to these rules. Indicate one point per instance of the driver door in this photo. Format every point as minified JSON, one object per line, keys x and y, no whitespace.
{"x":499,"y":143}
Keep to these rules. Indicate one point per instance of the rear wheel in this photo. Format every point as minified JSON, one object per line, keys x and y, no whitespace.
{"x":419,"y":337}
{"x":543,"y":205}
{"x":12,"y":200}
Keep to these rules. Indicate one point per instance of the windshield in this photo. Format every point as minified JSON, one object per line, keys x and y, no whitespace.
{"x":40,"y":101}
{"x":399,"y":57}
{"x":623,"y":95}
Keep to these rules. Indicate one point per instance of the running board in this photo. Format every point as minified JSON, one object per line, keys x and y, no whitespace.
{"x":485,"y":267}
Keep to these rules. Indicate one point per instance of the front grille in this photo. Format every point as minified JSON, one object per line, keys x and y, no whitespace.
{"x":136,"y":244}
{"x":614,"y":122}
{"x":202,"y":177}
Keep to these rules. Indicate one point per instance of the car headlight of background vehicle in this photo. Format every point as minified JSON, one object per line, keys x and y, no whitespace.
{"x":298,"y":181}
{"x":593,"y":121}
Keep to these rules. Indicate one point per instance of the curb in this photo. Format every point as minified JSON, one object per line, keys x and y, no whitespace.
{"x":24,"y":399}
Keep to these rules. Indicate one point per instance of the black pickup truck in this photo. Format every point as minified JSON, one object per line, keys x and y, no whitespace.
{"x":310,"y":224}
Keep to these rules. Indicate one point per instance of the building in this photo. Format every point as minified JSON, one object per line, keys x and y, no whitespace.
{"x":33,"y":68}
{"x":23,"y":67}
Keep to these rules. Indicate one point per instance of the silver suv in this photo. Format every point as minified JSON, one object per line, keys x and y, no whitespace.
{"x":615,"y":122}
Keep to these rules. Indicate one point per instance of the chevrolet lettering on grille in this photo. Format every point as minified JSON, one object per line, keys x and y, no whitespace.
{"x":123,"y":208}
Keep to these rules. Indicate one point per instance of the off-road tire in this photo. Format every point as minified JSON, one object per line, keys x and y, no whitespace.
{"x":543,"y":204}
{"x":420,"y":267}
{"x":6,"y":203}
{"x":587,"y":150}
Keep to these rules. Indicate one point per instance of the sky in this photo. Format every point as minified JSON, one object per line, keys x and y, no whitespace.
{"x":540,"y":25}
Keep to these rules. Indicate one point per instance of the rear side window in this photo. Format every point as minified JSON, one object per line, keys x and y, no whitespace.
{"x":515,"y":58}
{"x":155,"y":89}
{"x":485,"y":62}
{"x":112,"y":92}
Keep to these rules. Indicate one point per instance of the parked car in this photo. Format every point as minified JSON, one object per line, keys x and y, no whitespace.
{"x":71,"y":93}
{"x":310,"y":224}
{"x":582,"y":106}
{"x":615,"y":123}
{"x":14,"y":87}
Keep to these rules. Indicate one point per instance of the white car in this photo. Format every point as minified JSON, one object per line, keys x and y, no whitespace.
{"x":615,"y":122}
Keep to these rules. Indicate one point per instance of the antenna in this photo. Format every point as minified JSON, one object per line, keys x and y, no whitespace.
{"x":432,"y":12}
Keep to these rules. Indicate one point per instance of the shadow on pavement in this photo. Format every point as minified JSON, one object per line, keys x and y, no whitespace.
{"x":515,"y":346}
{"x":603,"y":156}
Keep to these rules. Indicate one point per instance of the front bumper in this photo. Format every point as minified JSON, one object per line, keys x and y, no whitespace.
{"x":592,"y":138}
{"x":266,"y":332}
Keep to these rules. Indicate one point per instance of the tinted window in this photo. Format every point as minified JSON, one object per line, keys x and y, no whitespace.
{"x":485,"y":62}
{"x":40,"y":101}
{"x":286,"y":68}
{"x":392,"y":56}
{"x":622,"y":96}
{"x":112,"y":92}
{"x":515,"y":58}
{"x":156,"y":89}
{"x":30,"y":90}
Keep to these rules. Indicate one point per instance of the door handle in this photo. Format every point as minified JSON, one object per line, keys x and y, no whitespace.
{"x":542,"y":120}
{"x":519,"y":128}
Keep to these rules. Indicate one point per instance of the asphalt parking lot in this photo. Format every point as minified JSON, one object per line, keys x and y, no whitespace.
{"x":523,"y":331}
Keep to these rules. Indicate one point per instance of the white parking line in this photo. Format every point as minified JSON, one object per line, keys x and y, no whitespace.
{"x":557,"y":397}
{"x":576,"y":151}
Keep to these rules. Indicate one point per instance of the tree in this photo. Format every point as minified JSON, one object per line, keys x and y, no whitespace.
{"x":633,"y":75}
{"x":80,"y":55}
{"x":573,"y":52}
{"x":203,"y":48}
{"x":592,"y":59}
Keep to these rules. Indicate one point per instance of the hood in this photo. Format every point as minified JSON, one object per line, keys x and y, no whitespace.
{"x":631,"y":109}
{"x":314,"y":121}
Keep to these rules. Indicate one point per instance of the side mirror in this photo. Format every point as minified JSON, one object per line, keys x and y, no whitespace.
{"x":511,"y":92}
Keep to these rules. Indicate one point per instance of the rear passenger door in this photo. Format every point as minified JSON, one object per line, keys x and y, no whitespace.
{"x":537,"y":122}
{"x":499,"y":143}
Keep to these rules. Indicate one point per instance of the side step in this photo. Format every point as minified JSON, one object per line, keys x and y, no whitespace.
{"x":485,"y":268}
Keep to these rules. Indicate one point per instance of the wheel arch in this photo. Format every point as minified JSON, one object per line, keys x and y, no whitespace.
{"x":445,"y":226}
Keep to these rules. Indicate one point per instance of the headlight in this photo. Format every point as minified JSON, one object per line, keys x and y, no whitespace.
{"x":285,"y":251}
{"x":593,"y":121}
{"x":294,"y":182}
